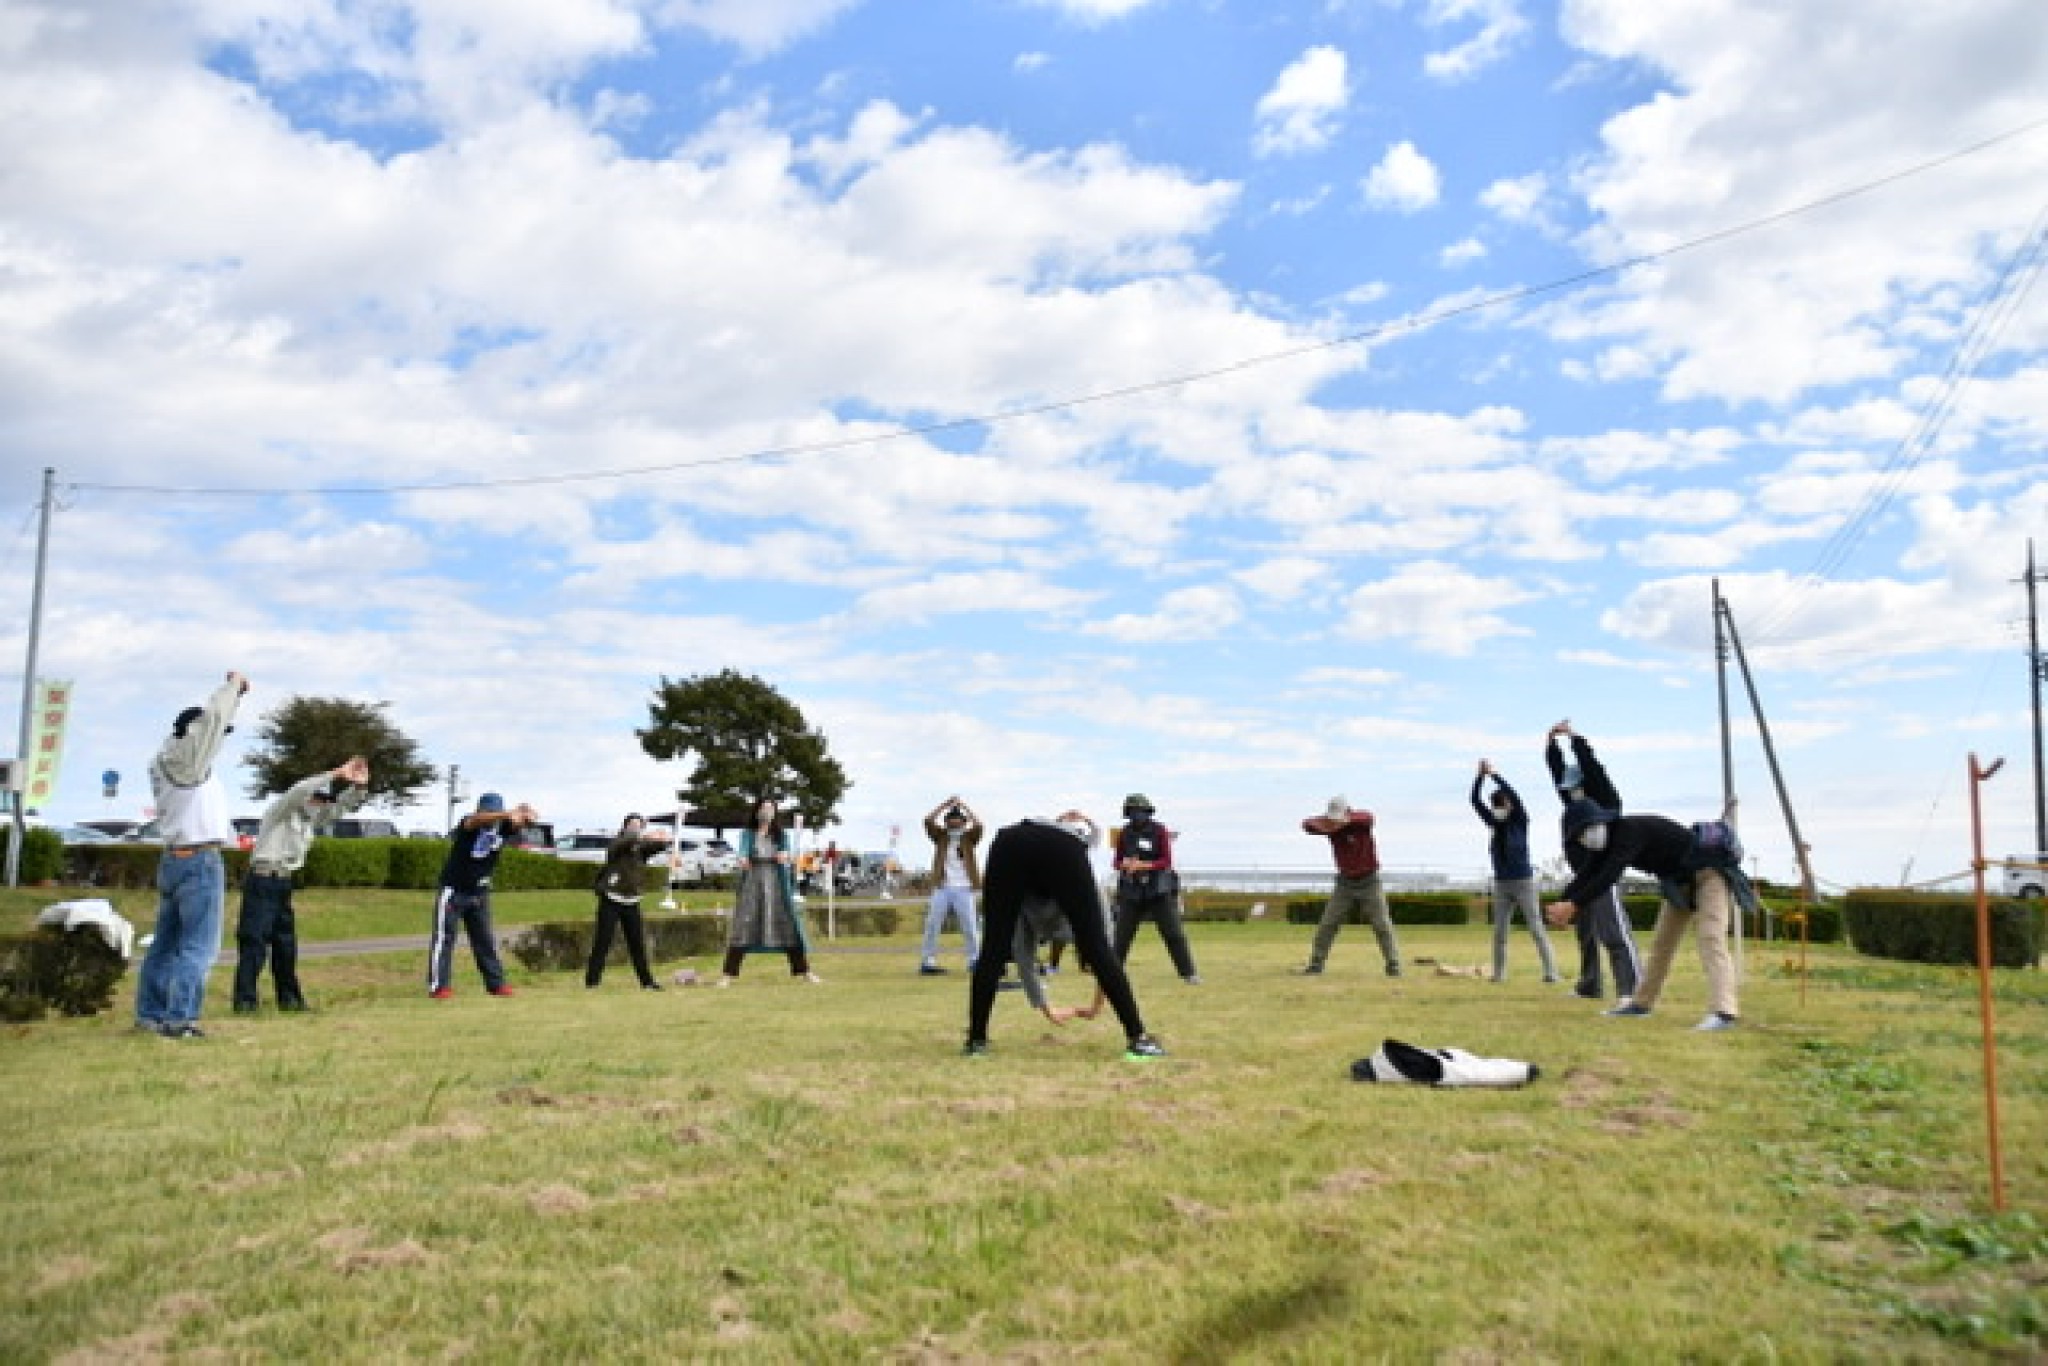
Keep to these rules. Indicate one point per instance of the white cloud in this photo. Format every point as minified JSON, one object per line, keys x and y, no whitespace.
{"x":1404,"y":180}
{"x":1462,"y":252}
{"x":1500,"y":22}
{"x":1094,"y":11}
{"x":1436,"y":606}
{"x":1197,"y":613}
{"x":1031,"y":61}
{"x":1301,"y":112}
{"x":1521,"y":200}
{"x":754,"y":26}
{"x":1284,"y":578}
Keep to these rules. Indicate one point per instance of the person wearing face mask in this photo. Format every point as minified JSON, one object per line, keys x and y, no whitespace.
{"x":765,"y":914}
{"x":1576,"y":771}
{"x":955,"y":833}
{"x":1357,"y":855}
{"x":1667,"y":851}
{"x":1048,"y":861}
{"x":618,"y":899}
{"x":1147,"y":887}
{"x":1514,"y":879}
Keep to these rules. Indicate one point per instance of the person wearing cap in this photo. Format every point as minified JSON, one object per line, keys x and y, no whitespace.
{"x":1357,"y":856}
{"x":1147,"y":888}
{"x":267,"y":926}
{"x":955,"y":833}
{"x":1514,"y":877}
{"x":1576,"y":772}
{"x":192,"y":816}
{"x":465,"y":896}
{"x":1664,"y":849}
{"x":1048,"y":861}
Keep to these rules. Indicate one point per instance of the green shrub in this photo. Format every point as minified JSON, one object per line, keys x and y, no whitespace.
{"x":1941,"y":927}
{"x":1407,"y":908}
{"x":416,"y":865}
{"x":1224,"y":907}
{"x":1823,"y":925}
{"x":564,"y":945}
{"x":73,"y":972}
{"x":42,"y":853}
{"x":347,"y":863}
{"x":113,"y":865}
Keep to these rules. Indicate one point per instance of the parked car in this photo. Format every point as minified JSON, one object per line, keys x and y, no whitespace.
{"x":363,"y":828}
{"x":720,"y":858}
{"x":2022,"y":881}
{"x":585,"y":846}
{"x":113,"y":829}
{"x":81,"y":834}
{"x":538,"y":838}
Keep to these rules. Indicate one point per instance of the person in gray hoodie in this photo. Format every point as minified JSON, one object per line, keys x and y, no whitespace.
{"x":267,"y":926}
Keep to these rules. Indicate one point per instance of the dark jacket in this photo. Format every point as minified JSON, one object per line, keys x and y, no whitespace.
{"x":1649,"y":844}
{"x":1594,"y":785}
{"x":1146,"y":840}
{"x":1509,"y":844}
{"x":625,"y":867}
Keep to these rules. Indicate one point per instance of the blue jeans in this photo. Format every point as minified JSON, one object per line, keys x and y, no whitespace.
{"x":960,"y":902}
{"x":191,"y":900}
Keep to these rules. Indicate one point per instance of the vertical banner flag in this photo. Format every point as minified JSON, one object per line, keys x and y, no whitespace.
{"x":46,"y":741}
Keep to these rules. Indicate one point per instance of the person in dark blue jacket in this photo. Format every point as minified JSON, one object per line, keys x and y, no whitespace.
{"x":1514,"y":878}
{"x":1603,"y":924}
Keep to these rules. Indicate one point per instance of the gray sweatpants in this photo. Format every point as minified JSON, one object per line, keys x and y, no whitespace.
{"x":1511,"y":895}
{"x":1365,"y":894}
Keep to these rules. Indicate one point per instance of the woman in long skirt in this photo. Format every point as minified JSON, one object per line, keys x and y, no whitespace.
{"x":765,"y":917}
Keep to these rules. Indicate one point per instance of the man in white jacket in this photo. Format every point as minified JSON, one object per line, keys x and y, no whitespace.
{"x":192,"y":815}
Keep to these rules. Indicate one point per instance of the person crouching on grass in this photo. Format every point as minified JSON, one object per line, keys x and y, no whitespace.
{"x":1668,"y":852}
{"x":765,"y":916}
{"x":1049,"y":860}
{"x":618,"y":900}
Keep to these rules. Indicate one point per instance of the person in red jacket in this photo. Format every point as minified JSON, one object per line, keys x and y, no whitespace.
{"x":1358,"y":884}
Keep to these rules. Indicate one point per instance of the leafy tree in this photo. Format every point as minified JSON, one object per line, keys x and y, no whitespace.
{"x":303,"y":735}
{"x":749,"y":741}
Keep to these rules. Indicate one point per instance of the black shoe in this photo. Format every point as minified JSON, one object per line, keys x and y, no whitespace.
{"x":1589,"y":993}
{"x":1312,"y":970}
{"x":1143,"y":1048}
{"x":1393,"y":969}
{"x":183,"y":1031}
{"x":248,"y":1007}
{"x":930,"y":970}
{"x":650,"y":986}
{"x":974,"y":1048}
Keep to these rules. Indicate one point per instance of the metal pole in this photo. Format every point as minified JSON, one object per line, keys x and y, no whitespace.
{"x":2035,"y":668}
{"x":1763,"y":727}
{"x":28,"y":677}
{"x":1984,"y":1012}
{"x":1721,"y":683}
{"x":454,"y":786}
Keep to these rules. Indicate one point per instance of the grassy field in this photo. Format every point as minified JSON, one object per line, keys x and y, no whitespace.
{"x":781,"y":1172}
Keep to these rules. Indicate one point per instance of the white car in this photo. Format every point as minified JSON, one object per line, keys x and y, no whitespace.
{"x":588,"y":846}
{"x":2024,"y":881}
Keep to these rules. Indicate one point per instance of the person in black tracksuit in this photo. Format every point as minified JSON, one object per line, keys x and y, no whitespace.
{"x":1049,"y":860}
{"x":618,"y":901}
{"x":1603,"y":924}
{"x":1147,"y":888}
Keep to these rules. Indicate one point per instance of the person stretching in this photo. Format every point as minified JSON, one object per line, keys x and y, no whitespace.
{"x":1049,"y":859}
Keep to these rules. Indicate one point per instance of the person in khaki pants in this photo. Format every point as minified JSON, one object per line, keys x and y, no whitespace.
{"x":1665,"y":850}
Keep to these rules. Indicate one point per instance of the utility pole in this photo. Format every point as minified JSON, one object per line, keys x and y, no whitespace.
{"x":28,"y":678}
{"x":2037,"y":669}
{"x":1806,"y":883}
{"x":1721,"y":682}
{"x":454,"y":788}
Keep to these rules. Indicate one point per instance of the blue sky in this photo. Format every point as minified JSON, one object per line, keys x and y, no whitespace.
{"x":1283,"y":463}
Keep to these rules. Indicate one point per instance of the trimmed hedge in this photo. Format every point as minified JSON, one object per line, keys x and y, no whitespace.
{"x":1941,"y":927}
{"x":564,"y":945}
{"x":42,"y":852}
{"x":1407,"y":908}
{"x":1823,"y":924}
{"x":73,"y":972}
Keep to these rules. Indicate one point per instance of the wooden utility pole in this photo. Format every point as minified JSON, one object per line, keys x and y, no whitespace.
{"x":2036,"y":669}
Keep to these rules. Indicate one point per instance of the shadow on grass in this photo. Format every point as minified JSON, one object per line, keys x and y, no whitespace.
{"x":1237,"y":1327}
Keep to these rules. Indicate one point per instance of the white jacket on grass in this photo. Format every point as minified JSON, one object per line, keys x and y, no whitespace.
{"x":1399,"y":1062}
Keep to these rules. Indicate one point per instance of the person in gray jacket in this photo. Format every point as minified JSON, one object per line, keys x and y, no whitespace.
{"x":267,"y":926}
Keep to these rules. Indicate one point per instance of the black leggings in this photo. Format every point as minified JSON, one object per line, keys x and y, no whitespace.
{"x":799,"y":961}
{"x":621,"y":915}
{"x":1044,"y":860}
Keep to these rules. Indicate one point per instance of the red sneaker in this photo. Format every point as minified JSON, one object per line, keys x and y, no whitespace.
{"x":501,"y":990}
{"x":441,"y":994}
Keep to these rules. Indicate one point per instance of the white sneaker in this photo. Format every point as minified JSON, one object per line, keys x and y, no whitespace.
{"x":723,"y":982}
{"x":1715,"y":1022}
{"x":814,"y":979}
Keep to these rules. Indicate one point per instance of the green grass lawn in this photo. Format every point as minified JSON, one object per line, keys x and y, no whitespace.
{"x":781,"y":1172}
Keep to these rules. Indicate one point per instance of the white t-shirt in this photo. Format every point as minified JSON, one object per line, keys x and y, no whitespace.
{"x":956,"y":862}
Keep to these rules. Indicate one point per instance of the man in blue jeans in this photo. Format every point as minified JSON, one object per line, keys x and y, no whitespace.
{"x":192,"y":815}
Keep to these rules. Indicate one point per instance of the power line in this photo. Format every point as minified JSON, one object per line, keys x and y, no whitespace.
{"x":2017,"y":277}
{"x":1389,"y":329}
